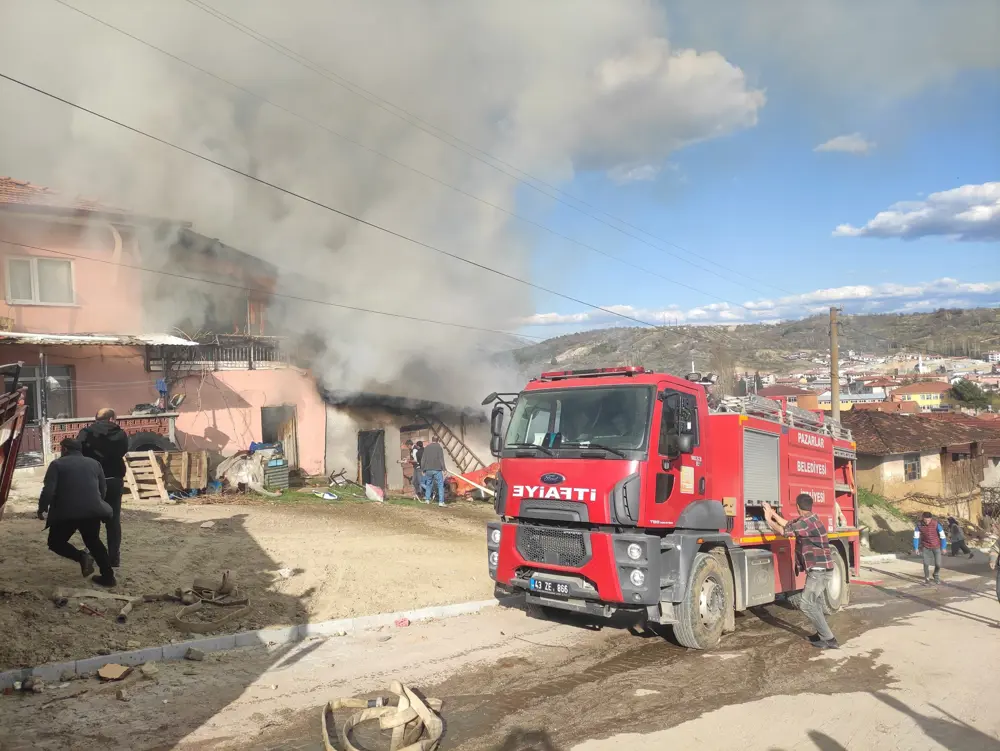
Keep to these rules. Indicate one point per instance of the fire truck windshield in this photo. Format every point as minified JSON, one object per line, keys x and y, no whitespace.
{"x":612,"y":418}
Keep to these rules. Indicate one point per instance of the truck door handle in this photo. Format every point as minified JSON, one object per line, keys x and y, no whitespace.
{"x":701,"y":486}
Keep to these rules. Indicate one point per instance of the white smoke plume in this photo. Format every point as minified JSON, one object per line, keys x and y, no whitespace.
{"x":555,"y":88}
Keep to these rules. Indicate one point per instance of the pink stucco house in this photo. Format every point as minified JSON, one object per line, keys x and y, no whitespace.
{"x":101,"y":305}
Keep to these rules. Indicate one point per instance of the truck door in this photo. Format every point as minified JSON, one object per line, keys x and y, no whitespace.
{"x":675,"y":477}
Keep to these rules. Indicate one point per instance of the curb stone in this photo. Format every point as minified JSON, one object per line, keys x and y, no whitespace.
{"x":52,"y":673}
{"x":879,"y":558}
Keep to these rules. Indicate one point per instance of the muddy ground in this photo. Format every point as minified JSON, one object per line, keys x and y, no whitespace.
{"x":296,"y":563}
{"x":916,"y":671}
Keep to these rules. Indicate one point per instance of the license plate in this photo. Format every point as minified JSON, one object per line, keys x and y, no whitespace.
{"x":552,"y":588}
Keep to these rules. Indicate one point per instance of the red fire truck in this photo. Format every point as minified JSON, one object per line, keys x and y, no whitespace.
{"x":621,"y":489}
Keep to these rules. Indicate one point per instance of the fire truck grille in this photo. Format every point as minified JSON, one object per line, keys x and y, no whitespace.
{"x":557,"y":547}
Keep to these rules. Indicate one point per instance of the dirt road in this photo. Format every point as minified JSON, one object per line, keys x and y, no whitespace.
{"x":917,"y":671}
{"x":297,"y":563}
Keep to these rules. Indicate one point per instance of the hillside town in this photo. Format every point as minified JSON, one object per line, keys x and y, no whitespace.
{"x":499,"y":376}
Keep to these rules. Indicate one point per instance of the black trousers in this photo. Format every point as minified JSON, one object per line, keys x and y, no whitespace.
{"x":90,"y":531}
{"x":959,"y":546}
{"x":114,"y":524}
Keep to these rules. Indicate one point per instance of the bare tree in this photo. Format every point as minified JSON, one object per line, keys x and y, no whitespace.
{"x":723,"y":366}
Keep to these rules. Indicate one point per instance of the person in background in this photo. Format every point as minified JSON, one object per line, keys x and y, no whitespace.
{"x":929,"y":540}
{"x":72,"y":500}
{"x":413,"y":462}
{"x":104,"y":441}
{"x":432,"y":465}
{"x":812,"y":555}
{"x":957,"y":537}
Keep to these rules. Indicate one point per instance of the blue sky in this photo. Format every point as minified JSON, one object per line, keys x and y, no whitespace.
{"x":763,"y":202}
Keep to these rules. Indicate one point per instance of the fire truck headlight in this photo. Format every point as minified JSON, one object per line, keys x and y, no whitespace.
{"x":495,"y":536}
{"x":494,"y":558}
{"x":637,"y":577}
{"x":634,"y":551}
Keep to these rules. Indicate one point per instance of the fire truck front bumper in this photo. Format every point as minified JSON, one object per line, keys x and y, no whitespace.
{"x":578,"y":570}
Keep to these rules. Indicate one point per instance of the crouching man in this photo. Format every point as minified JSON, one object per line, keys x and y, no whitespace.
{"x":72,"y":501}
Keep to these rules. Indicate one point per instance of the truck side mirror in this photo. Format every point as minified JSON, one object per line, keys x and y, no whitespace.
{"x":685,"y":443}
{"x":496,"y":431}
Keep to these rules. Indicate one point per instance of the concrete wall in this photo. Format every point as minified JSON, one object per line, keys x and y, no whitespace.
{"x":991,"y":476}
{"x":108,"y":297}
{"x":222,"y":412}
{"x":885,"y":475}
{"x":343,"y":424}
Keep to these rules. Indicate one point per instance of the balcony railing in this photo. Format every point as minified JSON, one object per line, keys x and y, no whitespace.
{"x":245,"y":354}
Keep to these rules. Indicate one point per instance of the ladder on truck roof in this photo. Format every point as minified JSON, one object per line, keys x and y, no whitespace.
{"x":794,"y":417}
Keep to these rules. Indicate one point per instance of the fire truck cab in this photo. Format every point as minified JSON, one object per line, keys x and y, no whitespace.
{"x":620,"y":489}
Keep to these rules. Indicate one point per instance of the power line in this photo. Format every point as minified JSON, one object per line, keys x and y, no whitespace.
{"x":420,"y":172}
{"x":341,"y":306}
{"x":322,"y":205}
{"x":423,"y":125}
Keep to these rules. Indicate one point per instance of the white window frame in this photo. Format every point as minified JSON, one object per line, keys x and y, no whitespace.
{"x":33,"y":260}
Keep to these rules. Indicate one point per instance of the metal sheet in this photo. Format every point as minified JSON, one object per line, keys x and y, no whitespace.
{"x":760,"y":467}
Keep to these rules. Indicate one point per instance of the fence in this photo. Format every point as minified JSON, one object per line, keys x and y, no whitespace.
{"x":242,"y":355}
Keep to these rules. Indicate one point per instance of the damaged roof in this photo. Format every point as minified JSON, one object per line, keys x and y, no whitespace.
{"x":882,"y":434}
{"x":126,"y":340}
{"x":400,"y":405}
{"x":21,"y":195}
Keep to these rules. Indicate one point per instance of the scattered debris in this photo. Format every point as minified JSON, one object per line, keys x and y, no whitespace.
{"x":285,"y":573}
{"x":386,"y":637}
{"x":113,"y":672}
{"x":68,"y":675}
{"x":194,"y":654}
{"x":91,"y":611}
{"x":122,"y":695}
{"x":207,"y":525}
{"x":402,"y":622}
{"x":645,"y":692}
{"x":326,"y":496}
{"x":149,"y":670}
{"x":374,"y":493}
{"x":103,"y":651}
{"x":123,"y":614}
{"x":340,"y":633}
{"x":414,"y":721}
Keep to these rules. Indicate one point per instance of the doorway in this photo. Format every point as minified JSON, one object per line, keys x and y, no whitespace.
{"x":371,"y":457}
{"x":277,"y":425}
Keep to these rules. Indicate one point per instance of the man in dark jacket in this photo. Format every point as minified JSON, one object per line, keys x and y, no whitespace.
{"x":957,"y":537}
{"x":433,"y":467}
{"x":73,"y":499}
{"x":106,"y":442}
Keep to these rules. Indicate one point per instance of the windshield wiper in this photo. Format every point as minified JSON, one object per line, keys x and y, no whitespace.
{"x":588,"y":445}
{"x":528,"y":446}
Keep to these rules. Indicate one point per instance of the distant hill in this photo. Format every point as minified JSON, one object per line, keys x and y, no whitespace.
{"x":765,"y":346}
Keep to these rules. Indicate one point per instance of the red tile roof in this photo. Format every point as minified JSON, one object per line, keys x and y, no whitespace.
{"x":769,"y":391}
{"x":881,"y":434}
{"x":905,"y":407}
{"x":21,"y":193}
{"x":923,"y":387}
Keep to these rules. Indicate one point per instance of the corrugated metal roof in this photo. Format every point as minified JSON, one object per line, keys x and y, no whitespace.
{"x":125,"y":340}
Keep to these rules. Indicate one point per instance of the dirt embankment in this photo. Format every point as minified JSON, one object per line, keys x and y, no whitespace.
{"x":295,"y":563}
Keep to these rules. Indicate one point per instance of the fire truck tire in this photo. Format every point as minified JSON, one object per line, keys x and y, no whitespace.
{"x":702,"y":612}
{"x":838,"y":593}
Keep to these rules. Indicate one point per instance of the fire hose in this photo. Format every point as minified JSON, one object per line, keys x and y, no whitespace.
{"x":407,"y":715}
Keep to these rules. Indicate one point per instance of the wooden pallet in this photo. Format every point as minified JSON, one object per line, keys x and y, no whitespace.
{"x":144,"y":475}
{"x":185,"y":470}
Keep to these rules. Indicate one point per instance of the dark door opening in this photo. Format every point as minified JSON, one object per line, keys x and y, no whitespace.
{"x":371,"y":457}
{"x":277,"y":425}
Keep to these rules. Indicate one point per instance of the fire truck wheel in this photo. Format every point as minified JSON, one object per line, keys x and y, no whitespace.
{"x":838,"y":591}
{"x":702,"y":612}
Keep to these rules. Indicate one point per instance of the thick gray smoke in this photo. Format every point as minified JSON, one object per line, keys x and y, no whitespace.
{"x":555,"y":87}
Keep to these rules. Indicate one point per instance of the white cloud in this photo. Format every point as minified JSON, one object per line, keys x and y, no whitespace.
{"x":879,"y":298}
{"x":624,"y":173}
{"x":855,"y":143}
{"x":970,"y":213}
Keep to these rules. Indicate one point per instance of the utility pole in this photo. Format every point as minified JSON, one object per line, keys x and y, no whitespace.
{"x":834,"y":366}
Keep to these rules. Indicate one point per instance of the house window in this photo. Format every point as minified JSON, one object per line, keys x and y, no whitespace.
{"x":911,"y":467}
{"x":58,"y":392}
{"x":40,"y":281}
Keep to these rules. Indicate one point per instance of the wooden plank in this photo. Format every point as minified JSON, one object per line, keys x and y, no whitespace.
{"x":159,"y":477}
